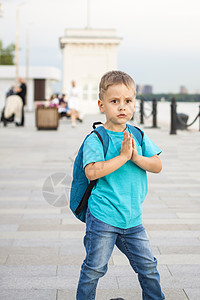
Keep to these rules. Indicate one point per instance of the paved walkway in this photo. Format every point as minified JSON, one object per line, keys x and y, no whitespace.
{"x":41,"y":243}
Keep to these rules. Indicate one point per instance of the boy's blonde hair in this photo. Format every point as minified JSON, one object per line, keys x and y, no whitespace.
{"x":115,"y":77}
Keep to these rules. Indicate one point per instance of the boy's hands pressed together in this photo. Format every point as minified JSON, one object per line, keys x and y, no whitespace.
{"x":152,"y":164}
{"x":102,"y":168}
{"x":135,"y":155}
{"x":127,"y":146}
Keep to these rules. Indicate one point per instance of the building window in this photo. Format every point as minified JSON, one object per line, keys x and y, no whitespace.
{"x":39,"y":89}
{"x":90,"y":92}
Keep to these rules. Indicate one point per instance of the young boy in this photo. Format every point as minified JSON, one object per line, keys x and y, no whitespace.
{"x":114,"y":214}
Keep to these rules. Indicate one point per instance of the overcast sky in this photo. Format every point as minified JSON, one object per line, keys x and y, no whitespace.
{"x":160,"y":46}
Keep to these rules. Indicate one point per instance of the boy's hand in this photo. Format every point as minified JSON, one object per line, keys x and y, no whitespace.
{"x":134,"y":156}
{"x":126,"y":146}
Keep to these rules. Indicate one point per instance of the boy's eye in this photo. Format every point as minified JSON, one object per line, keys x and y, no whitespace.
{"x":114,"y":101}
{"x":128,"y":100}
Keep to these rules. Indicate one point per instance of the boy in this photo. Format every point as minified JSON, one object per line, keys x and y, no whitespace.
{"x":114,"y":214}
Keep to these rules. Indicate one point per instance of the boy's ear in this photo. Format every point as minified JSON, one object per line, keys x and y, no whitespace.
{"x":134,"y":103}
{"x":101,"y":105}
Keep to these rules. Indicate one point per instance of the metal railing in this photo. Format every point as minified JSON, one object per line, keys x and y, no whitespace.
{"x":152,"y":107}
{"x":176,"y":117}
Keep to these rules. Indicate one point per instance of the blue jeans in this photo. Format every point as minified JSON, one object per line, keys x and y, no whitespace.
{"x":99,"y":242}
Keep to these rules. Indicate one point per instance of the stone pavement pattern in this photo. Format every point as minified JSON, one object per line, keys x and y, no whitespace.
{"x":41,"y":246}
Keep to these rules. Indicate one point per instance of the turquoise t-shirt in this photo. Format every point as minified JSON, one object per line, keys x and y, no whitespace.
{"x":117,"y":197}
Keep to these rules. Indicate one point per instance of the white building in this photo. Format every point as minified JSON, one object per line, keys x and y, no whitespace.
{"x":40,"y":83}
{"x":87,"y":55}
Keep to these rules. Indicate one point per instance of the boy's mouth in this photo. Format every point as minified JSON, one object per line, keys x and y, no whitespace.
{"x":121,"y":115}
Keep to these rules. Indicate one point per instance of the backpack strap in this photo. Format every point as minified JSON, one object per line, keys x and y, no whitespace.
{"x":104,"y":138}
{"x":102,"y":135}
{"x":137,"y":132}
{"x":94,"y":125}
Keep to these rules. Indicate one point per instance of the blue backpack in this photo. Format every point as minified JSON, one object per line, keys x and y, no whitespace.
{"x":81,"y":187}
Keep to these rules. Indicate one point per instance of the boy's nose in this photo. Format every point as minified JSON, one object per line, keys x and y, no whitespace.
{"x":121,"y":106}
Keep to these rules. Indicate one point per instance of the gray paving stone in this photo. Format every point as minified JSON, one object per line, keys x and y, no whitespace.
{"x":72,"y":250}
{"x":171,"y":221}
{"x":43,"y":217}
{"x":42,"y":259}
{"x":13,"y":199}
{"x":46,"y":283}
{"x":29,"y":211}
{"x":71,"y":260}
{"x":179,"y":259}
{"x":4,"y":204}
{"x":10,"y":219}
{"x":72,"y":234}
{"x":24,"y":294}
{"x":40,"y":221}
{"x":46,"y":242}
{"x":27,"y":271}
{"x":179,"y":250}
{"x":28,"y":259}
{"x":184,"y":269}
{"x":30,"y":250}
{"x":5,"y":243}
{"x":30,"y":235}
{"x":153,"y":215}
{"x":166,"y":227}
{"x":68,"y":271}
{"x":51,"y":227}
{"x":10,"y":228}
{"x":174,"y":234}
{"x":161,"y":241}
{"x":194,"y":227}
{"x":174,"y":294}
{"x":39,"y":227}
{"x":108,"y":282}
{"x":66,"y":294}
{"x":3,"y":258}
{"x":193,"y":294}
{"x":166,"y":282}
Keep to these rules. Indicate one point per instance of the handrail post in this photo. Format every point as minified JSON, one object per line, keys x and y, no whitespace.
{"x":141,"y":111}
{"x":173,"y":116}
{"x":199,"y":117}
{"x":154,"y":109}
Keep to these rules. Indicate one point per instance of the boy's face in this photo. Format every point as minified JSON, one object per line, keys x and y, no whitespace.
{"x":118,"y":103}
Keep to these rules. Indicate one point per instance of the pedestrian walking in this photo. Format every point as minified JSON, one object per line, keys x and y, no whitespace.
{"x":73,"y":103}
{"x":21,"y":91}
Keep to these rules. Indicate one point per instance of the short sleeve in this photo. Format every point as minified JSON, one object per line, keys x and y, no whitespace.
{"x":149,"y":149}
{"x":92,"y":150}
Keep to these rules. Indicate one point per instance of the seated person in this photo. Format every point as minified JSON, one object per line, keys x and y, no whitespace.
{"x":63,"y":108}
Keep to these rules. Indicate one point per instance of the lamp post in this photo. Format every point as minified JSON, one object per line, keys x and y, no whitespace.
{"x":17,"y":42}
{"x":1,"y":11}
{"x":27,"y":57}
{"x":1,"y":15}
{"x":88,"y":14}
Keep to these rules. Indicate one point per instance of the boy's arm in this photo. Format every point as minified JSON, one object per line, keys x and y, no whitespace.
{"x":152,"y":164}
{"x":102,"y":168}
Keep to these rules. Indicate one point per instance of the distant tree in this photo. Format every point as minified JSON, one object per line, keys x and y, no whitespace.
{"x":168,"y":97}
{"x":7,"y":54}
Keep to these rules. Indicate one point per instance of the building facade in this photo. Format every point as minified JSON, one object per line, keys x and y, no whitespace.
{"x":39,"y":87}
{"x":183,"y":90}
{"x":87,"y":55}
{"x":144,"y":89}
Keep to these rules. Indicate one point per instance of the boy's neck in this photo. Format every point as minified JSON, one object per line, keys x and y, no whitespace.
{"x":115,"y":127}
